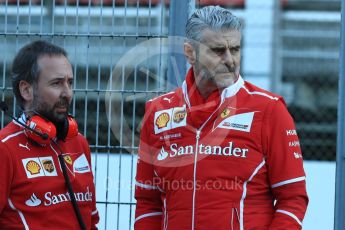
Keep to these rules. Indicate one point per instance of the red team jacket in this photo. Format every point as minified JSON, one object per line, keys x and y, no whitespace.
{"x":230,"y":162}
{"x":33,"y":194}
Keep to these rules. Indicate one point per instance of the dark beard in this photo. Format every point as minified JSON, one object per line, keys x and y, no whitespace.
{"x":60,"y":123}
{"x":48,"y":113}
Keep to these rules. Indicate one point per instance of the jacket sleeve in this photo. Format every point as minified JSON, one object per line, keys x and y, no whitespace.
{"x":148,"y":214}
{"x":94,"y":212}
{"x":6,"y":172}
{"x":285,"y":167}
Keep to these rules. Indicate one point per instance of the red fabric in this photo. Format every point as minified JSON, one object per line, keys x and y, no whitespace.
{"x":201,"y":107}
{"x":33,"y":194}
{"x":240,"y":167}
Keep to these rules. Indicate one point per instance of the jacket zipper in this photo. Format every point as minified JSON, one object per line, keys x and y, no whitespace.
{"x":194,"y":174}
{"x":198,"y":132}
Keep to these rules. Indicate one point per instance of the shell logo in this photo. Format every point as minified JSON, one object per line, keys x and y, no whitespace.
{"x":162,"y":120}
{"x":33,"y":167}
{"x":179,"y":116}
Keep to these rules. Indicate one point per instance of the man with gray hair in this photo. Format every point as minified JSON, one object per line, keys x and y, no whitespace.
{"x":218,"y":152}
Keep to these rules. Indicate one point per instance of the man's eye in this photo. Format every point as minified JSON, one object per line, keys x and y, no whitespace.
{"x":218,"y":50}
{"x":234,"y":50}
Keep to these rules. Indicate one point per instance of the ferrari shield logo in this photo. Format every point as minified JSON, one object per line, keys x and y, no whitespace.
{"x":68,"y":159}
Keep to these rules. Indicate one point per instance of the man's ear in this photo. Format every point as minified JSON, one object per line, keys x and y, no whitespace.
{"x":26,"y":90}
{"x":189,"y":52}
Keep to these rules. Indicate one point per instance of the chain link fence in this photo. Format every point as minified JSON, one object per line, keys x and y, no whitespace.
{"x":119,"y":53}
{"x":310,"y":34}
{"x":109,"y":95}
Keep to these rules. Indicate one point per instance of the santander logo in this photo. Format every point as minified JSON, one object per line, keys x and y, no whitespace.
{"x":33,"y":201}
{"x":162,"y":154}
{"x":53,"y":199}
{"x":230,"y":150}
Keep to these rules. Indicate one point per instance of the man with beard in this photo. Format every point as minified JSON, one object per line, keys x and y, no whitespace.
{"x":218,"y":152}
{"x":33,"y":191}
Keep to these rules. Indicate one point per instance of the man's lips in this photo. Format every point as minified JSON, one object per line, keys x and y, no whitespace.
{"x":226,"y":74}
{"x":61,"y":109}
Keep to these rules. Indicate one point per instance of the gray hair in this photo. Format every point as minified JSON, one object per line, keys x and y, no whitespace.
{"x":214,"y":18}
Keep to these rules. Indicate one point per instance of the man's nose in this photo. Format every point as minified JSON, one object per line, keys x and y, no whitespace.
{"x":67,"y":90}
{"x":228,"y":59}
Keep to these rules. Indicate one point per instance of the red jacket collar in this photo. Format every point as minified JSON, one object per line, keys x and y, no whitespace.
{"x":193,"y":97}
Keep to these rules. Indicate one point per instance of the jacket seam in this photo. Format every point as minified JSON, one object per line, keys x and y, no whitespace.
{"x":293,"y":216}
{"x":290,"y":181}
{"x":267,"y":114}
{"x":147,"y":215}
{"x":20,"y":213}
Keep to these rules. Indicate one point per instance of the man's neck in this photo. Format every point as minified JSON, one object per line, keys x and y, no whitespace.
{"x":205,"y":87}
